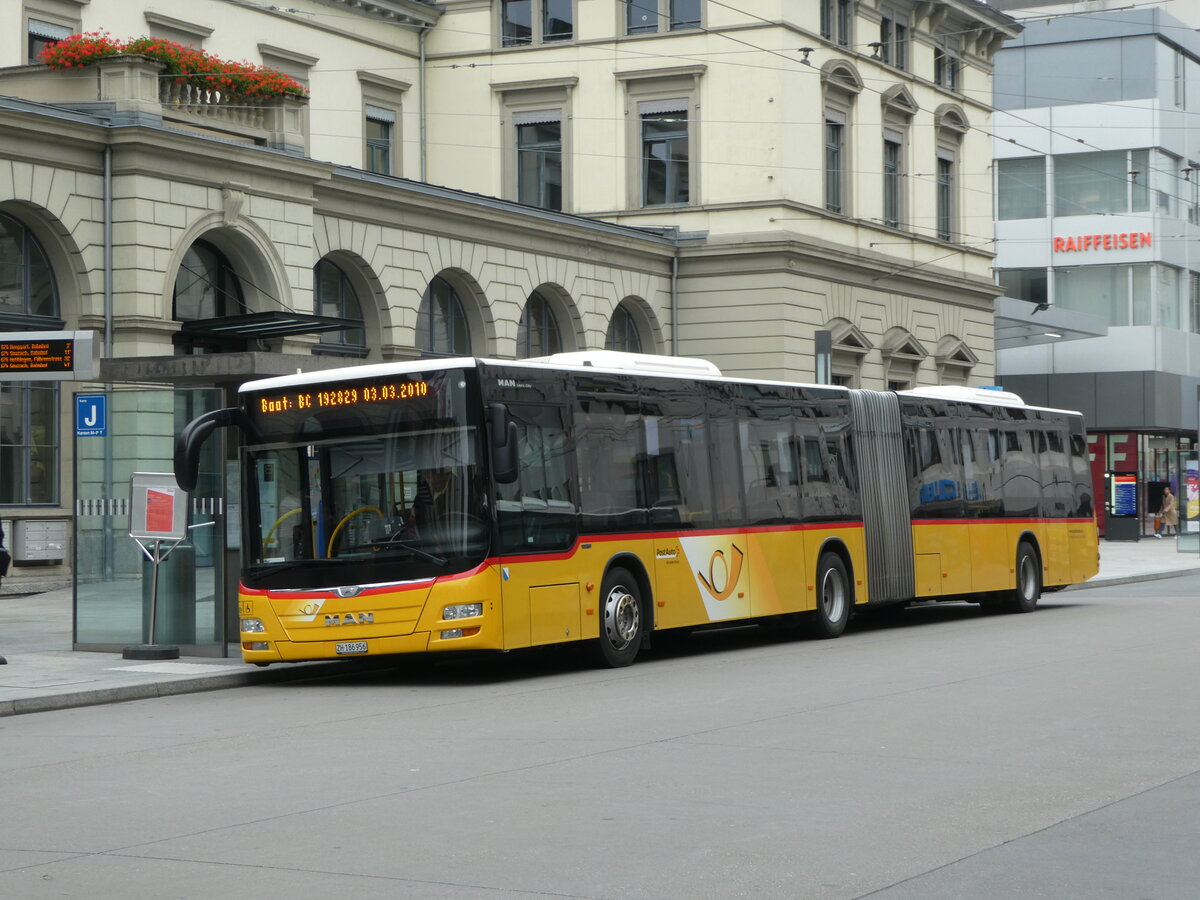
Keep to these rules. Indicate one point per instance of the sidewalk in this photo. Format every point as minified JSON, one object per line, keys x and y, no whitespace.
{"x":44,"y":673}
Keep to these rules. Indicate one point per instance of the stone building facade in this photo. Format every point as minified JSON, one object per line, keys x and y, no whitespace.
{"x":838,"y":187}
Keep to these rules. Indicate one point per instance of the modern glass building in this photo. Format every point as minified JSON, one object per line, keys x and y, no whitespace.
{"x":1097,"y":172}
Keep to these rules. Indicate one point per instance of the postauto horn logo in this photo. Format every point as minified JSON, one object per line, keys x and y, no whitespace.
{"x":716,"y":565}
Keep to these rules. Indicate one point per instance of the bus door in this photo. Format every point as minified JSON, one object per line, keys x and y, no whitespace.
{"x":536,"y":517}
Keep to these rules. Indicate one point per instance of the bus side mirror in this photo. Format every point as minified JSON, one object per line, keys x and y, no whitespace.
{"x":504,"y":444}
{"x":190,"y":441}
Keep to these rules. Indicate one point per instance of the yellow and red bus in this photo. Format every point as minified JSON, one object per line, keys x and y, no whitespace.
{"x":598,"y":497}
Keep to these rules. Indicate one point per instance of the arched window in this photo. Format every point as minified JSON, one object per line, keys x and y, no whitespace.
{"x":29,"y":440}
{"x":26,"y":280}
{"x":623,"y":333}
{"x":537,"y":333}
{"x":206,"y":286}
{"x":441,"y":322}
{"x":334,"y":296}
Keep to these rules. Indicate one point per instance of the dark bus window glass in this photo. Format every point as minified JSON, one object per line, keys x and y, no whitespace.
{"x":770,"y":462}
{"x":725,"y":461}
{"x":822,"y":429}
{"x":1058,"y":490}
{"x":1021,"y":485}
{"x":1081,"y":472}
{"x":609,"y":446}
{"x":677,"y":456}
{"x":933,"y":445}
{"x":537,"y":512}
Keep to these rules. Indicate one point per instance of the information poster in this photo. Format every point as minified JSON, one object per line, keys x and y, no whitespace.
{"x":1123,"y":501}
{"x":157,"y":507}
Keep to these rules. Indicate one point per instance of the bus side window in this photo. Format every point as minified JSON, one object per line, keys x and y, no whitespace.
{"x":537,"y":511}
{"x":1081,"y":476}
{"x":610,"y":448}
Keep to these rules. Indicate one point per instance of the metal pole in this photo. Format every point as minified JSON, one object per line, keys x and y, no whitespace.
{"x":154,"y":589}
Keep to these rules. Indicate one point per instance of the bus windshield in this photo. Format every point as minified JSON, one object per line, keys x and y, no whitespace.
{"x":367,"y":491}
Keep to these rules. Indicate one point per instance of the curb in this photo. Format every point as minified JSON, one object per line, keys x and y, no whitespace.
{"x":1131,"y":579}
{"x":101,"y":696}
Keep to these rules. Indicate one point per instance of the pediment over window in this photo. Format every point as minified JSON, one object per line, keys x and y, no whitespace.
{"x":898,"y":99}
{"x":846,"y":337}
{"x":953,"y":351}
{"x":900,"y":343}
{"x":840,"y":75}
{"x":952,"y":118}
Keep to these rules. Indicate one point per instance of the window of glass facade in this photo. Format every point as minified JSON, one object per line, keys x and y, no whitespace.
{"x":334,"y":296}
{"x":539,"y":161}
{"x":441,"y":321}
{"x":29,"y":437}
{"x":42,"y":35}
{"x":524,"y":22}
{"x":1194,"y":301}
{"x":1091,"y":183}
{"x":537,"y":332}
{"x":28,"y":442}
{"x":892,"y":182}
{"x":648,"y":16}
{"x":1024,"y":284}
{"x":947,"y":63}
{"x":835,"y":176}
{"x":893,"y":39}
{"x":206,"y":286}
{"x":665,"y":176}
{"x":945,"y":197}
{"x":623,"y":333}
{"x":1021,"y":188}
{"x":837,"y":21}
{"x":377,"y":130}
{"x":26,"y":282}
{"x":1121,"y":295}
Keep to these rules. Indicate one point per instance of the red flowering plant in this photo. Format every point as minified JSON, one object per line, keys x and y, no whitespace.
{"x":185,"y":65}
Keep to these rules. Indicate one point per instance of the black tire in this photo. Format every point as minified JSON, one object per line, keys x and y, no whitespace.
{"x":622,"y":619}
{"x":835,"y":597}
{"x":1028,"y":588}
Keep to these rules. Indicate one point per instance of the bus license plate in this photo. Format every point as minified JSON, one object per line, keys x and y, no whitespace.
{"x":344,"y":647}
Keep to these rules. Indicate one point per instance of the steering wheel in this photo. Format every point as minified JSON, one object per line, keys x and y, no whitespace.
{"x":346,"y":518}
{"x":270,"y":534}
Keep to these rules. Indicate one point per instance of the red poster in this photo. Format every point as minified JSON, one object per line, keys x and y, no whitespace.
{"x":160,"y":511}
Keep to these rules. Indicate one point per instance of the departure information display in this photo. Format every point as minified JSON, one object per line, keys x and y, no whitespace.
{"x":48,"y":355}
{"x":37,"y":356}
{"x":333,"y":397}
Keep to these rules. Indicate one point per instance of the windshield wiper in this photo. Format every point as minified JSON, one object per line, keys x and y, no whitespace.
{"x":439,"y":561}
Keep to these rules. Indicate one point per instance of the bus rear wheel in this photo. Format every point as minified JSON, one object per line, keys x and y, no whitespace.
{"x":1024,"y":596}
{"x":622,"y":619}
{"x":834,"y":597}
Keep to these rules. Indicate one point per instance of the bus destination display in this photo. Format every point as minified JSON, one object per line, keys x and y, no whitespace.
{"x":37,"y":356}
{"x":333,"y":397}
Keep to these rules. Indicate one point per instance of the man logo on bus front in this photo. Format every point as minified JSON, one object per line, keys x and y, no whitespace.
{"x":731,"y":570}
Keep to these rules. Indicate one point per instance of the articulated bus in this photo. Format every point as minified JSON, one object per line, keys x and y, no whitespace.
{"x":599,"y":497}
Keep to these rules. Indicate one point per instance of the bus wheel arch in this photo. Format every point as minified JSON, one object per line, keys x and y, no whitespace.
{"x":835,"y":590}
{"x":625,"y":612}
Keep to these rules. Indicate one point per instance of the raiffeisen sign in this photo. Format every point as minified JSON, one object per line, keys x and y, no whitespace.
{"x":1121,"y":240}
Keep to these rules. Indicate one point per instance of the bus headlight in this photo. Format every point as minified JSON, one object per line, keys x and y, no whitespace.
{"x":253,"y":626}
{"x":462,"y":611}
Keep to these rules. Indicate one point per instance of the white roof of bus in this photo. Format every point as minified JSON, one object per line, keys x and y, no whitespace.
{"x":613,"y":362}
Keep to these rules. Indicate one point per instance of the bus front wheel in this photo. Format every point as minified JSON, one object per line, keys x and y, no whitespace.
{"x":623,"y":620}
{"x":834,"y":597}
{"x":1024,"y":596}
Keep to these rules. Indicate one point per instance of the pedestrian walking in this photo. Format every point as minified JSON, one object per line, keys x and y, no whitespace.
{"x":1169,"y":512}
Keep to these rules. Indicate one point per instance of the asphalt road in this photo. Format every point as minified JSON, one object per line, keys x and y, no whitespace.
{"x":942,"y":754}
